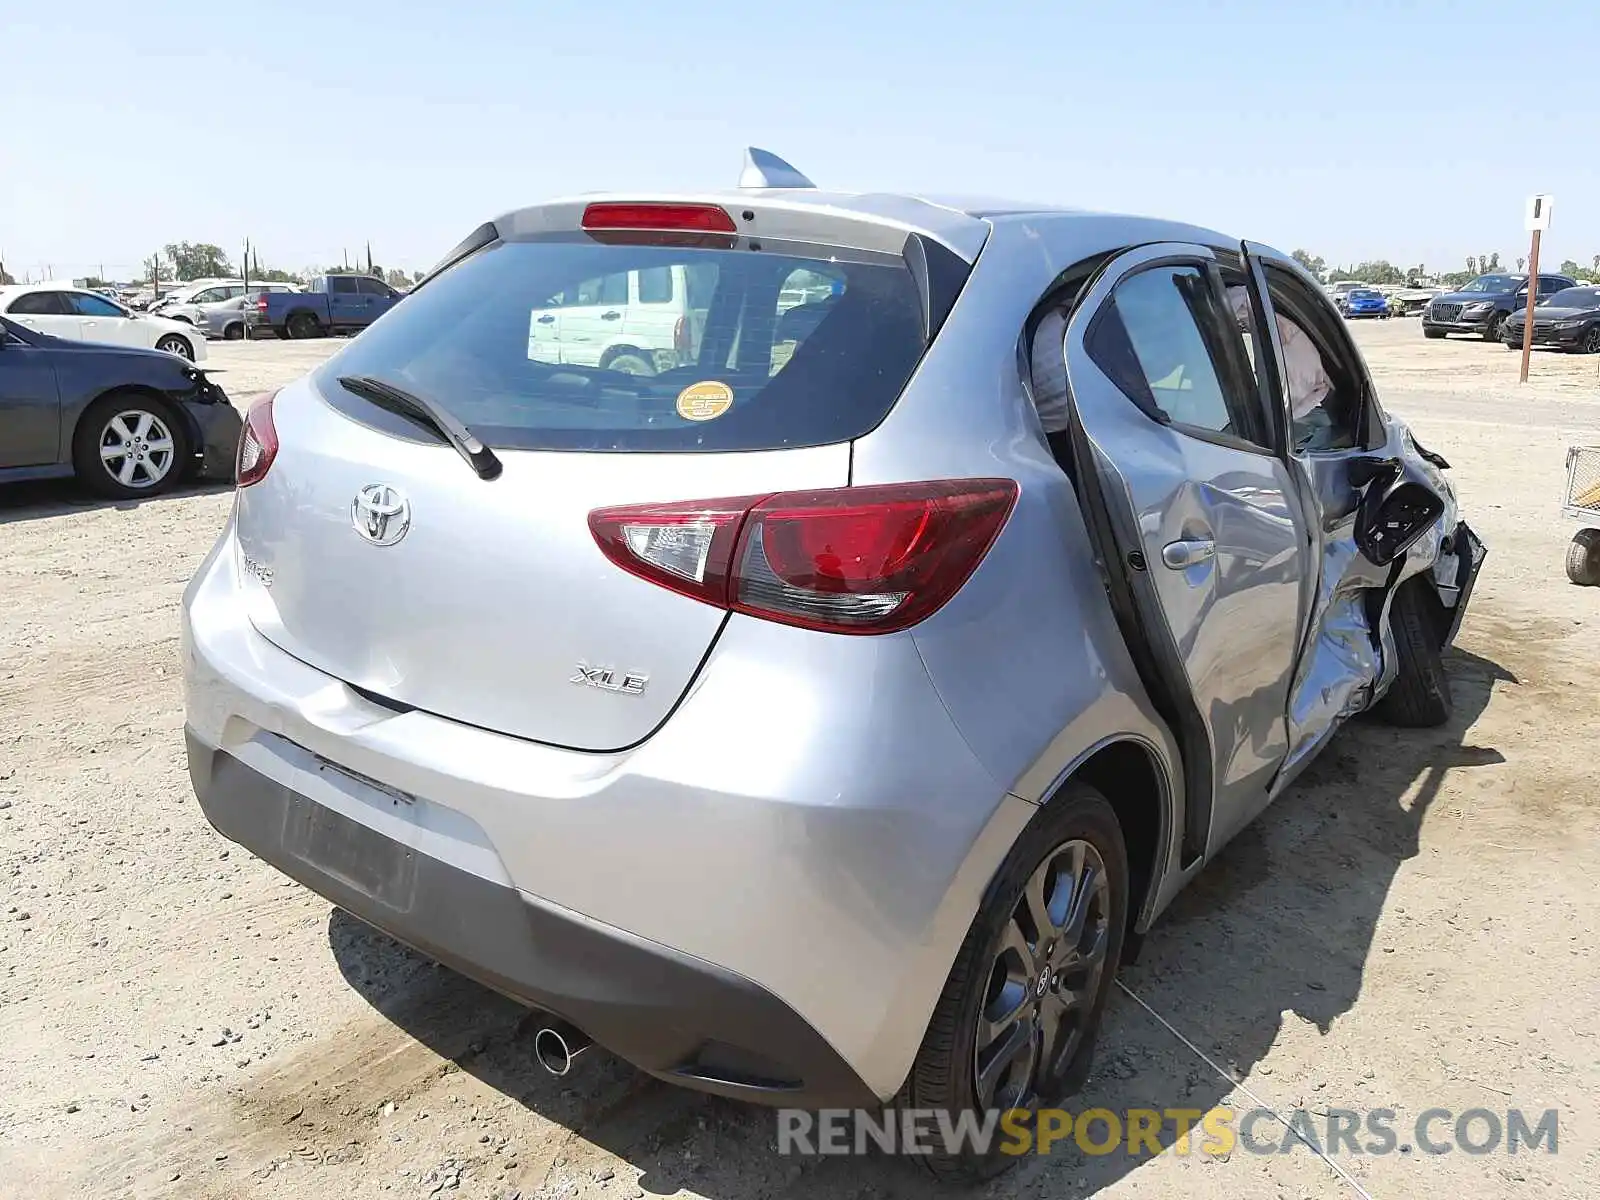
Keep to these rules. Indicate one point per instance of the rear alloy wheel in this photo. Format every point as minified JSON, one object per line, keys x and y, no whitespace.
{"x":233,"y":333}
{"x":1583,"y":558}
{"x":174,"y":343}
{"x":129,"y":446}
{"x":1016,"y":1025}
{"x":304,"y":325}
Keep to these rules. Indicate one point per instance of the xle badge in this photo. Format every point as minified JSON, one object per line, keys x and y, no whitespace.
{"x":626,"y":682}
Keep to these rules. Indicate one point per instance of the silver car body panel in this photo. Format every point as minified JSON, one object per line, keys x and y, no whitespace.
{"x":820,"y":814}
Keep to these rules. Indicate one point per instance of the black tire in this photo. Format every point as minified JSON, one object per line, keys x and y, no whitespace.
{"x":945,"y":1073}
{"x":304,"y":325}
{"x":1583,"y":558}
{"x":234,"y":332}
{"x":1491,"y":331}
{"x":1419,"y":697}
{"x":95,"y":430}
{"x":1591,"y":341}
{"x":1432,"y":333}
{"x":176,"y":343}
{"x":630,"y":362}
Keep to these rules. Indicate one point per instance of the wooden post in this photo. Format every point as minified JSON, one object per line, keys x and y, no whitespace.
{"x":1533,"y":298}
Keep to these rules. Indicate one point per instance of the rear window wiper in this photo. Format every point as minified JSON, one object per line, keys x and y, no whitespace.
{"x":478,"y":456}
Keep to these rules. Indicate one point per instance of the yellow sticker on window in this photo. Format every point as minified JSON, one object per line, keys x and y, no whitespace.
{"x":704,"y":401}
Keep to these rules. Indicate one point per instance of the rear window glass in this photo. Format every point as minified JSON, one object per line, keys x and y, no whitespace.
{"x":536,"y":344}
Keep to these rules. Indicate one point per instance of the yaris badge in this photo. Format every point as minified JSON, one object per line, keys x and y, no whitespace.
{"x":381,"y":514}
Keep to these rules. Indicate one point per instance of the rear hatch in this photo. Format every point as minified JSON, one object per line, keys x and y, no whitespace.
{"x":375,"y":553}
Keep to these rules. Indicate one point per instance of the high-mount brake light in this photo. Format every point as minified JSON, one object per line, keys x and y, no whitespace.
{"x":844,"y":560}
{"x":258,"y":443}
{"x":657,"y":217}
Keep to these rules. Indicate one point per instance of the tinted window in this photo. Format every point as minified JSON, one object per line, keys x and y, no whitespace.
{"x":40,"y":304}
{"x":93,"y":306}
{"x":469,"y":339}
{"x":655,"y":285}
{"x":372,"y":287}
{"x":342,"y":284}
{"x":1574,"y":297}
{"x":1148,"y":339}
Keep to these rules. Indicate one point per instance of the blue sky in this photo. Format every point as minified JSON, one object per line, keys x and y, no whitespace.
{"x":1355,"y":129}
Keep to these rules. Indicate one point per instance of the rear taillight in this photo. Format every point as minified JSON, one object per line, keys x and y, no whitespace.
{"x":258,"y":443}
{"x":261,"y":303}
{"x":846,"y":560}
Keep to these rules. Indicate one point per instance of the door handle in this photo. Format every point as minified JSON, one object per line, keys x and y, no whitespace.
{"x":547,"y":319}
{"x":1182,"y":555}
{"x":613,"y":315}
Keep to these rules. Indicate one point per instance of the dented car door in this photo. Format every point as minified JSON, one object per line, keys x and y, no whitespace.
{"x":1198,"y":520}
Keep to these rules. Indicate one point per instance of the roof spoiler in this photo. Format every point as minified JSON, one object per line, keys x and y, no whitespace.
{"x":764,"y":169}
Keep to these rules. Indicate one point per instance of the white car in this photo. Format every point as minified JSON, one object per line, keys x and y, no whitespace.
{"x":78,"y":315}
{"x":650,"y":320}
{"x":194,"y":309}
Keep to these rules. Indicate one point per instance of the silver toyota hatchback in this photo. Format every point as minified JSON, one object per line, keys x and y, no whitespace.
{"x":788,"y":709}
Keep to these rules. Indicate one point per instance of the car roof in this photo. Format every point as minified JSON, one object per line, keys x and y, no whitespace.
{"x":963,"y":224}
{"x":47,"y":285}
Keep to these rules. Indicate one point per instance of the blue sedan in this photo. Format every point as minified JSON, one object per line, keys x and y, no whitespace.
{"x":1364,"y":302}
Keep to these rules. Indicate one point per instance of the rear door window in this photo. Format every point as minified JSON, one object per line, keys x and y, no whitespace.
{"x":743,"y":367}
{"x":40,"y":304}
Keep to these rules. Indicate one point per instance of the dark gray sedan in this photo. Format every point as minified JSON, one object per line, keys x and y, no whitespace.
{"x":128,"y":422}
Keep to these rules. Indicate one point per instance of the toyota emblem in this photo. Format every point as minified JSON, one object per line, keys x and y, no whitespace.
{"x":381,"y":514}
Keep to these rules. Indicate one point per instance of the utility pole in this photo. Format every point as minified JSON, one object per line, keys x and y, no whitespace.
{"x":244,"y":273}
{"x":1537,"y":219}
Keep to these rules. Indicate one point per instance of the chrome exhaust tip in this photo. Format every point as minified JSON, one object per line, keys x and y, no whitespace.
{"x":557,"y":1044}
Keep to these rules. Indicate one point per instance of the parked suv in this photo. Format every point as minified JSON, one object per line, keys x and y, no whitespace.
{"x":1483,"y":305}
{"x":799,"y":720}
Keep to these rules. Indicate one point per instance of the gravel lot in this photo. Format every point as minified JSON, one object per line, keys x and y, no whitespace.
{"x":1411,"y":927}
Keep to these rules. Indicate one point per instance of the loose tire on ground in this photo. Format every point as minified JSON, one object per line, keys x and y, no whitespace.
{"x":129,"y":446}
{"x":1419,"y":697}
{"x":1583,"y":558}
{"x":945,"y":1073}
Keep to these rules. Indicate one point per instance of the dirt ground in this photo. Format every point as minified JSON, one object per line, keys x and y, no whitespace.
{"x":1411,"y":927}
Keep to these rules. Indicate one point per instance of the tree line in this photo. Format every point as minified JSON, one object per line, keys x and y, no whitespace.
{"x":180,"y":262}
{"x":1383,"y":271}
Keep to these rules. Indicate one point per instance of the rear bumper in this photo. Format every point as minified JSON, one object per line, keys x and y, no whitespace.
{"x":813,"y":864}
{"x":679,"y":1018}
